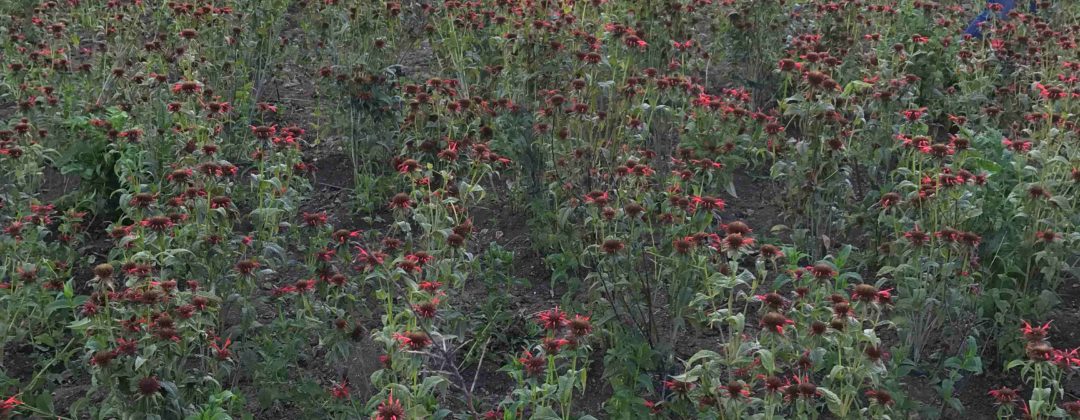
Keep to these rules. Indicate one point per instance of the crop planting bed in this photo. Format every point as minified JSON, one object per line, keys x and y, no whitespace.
{"x":539,"y":209}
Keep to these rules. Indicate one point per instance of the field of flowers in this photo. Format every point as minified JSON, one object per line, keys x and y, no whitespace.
{"x":539,"y":209}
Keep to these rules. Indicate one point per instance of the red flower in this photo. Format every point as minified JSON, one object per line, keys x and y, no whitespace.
{"x":770,"y":252}
{"x":149,"y":386}
{"x":343,"y":235}
{"x":917,"y":237}
{"x":679,"y":387}
{"x":870,"y":293}
{"x":401,"y":201}
{"x":552,"y":320}
{"x":1018,"y":146}
{"x":246,"y":267}
{"x":408,"y":165}
{"x":580,"y":326}
{"x":186,"y":87}
{"x":736,"y":242}
{"x":654,"y":408}
{"x":264,"y":132}
{"x":773,"y":300}
{"x":102,"y":358}
{"x":315,"y":219}
{"x":1038,"y":191}
{"x":415,"y":341}
{"x":391,"y":409}
{"x":683,"y":245}
{"x":1065,"y":359}
{"x":369,"y":259}
{"x":1004,"y":395}
{"x":1047,"y":236}
{"x":9,"y":404}
{"x":414,"y":262}
{"x":775,"y":321}
{"x":340,"y":390}
{"x":303,"y":286}
{"x":1072,"y":408}
{"x":282,"y":291}
{"x":1035,"y":334}
{"x":788,"y":64}
{"x":222,"y":351}
{"x":553,"y":345}
{"x":801,"y":388}
{"x":875,"y":353}
{"x":597,"y":197}
{"x":427,"y":309}
{"x":709,"y":203}
{"x":157,"y":223}
{"x":126,"y":347}
{"x":822,"y":271}
{"x":634,"y":41}
{"x":913,"y":115}
{"x":534,"y":365}
{"x":774,"y":384}
{"x":880,"y":397}
{"x":612,"y":246}
{"x":736,"y":389}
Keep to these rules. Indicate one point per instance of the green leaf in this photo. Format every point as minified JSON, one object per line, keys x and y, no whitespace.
{"x":80,"y":325}
{"x":703,"y":354}
{"x":545,"y":413}
{"x":768,"y":361}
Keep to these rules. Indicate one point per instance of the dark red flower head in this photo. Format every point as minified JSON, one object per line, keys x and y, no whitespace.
{"x":149,"y":386}
{"x":822,"y":271}
{"x":401,"y":201}
{"x":612,"y":246}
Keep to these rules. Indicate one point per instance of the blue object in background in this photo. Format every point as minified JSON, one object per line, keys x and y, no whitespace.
{"x":1006,"y":7}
